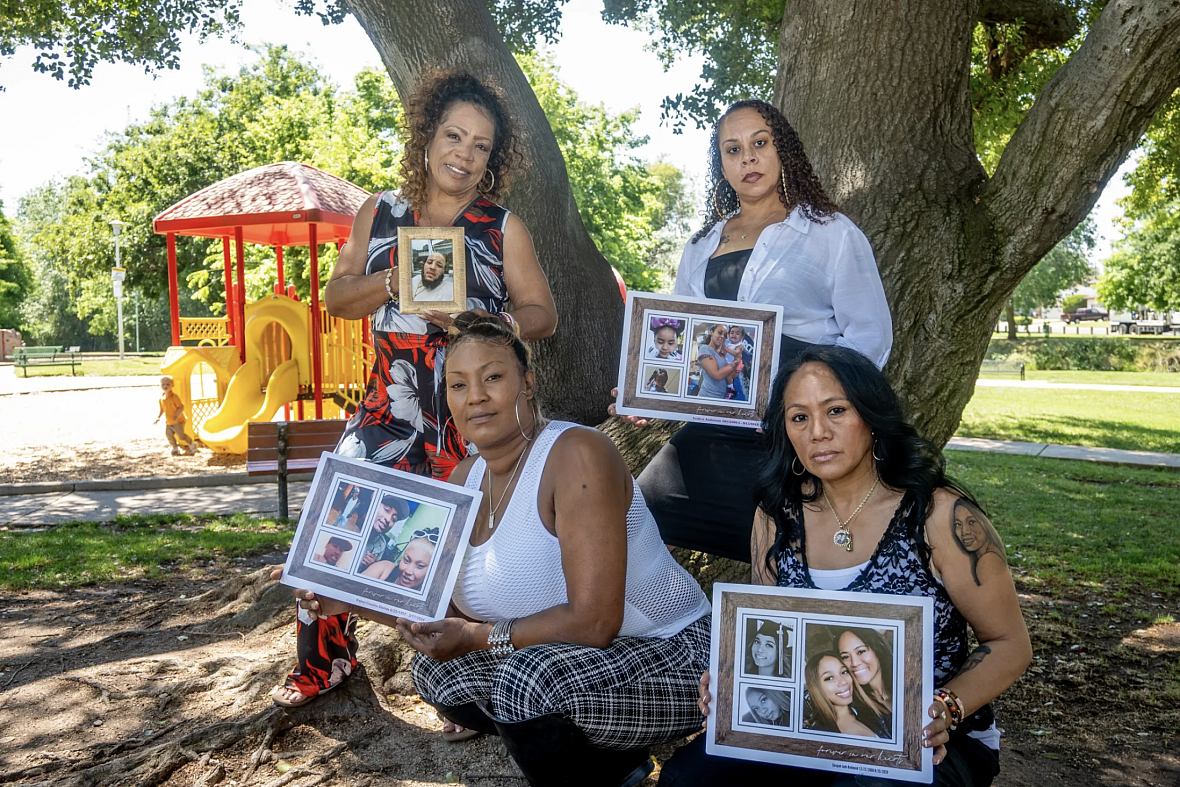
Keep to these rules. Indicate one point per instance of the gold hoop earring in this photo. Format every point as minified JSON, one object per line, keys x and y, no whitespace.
{"x":516,"y":409}
{"x":793,"y":461}
{"x":717,"y":206}
{"x":492,"y":186}
{"x":426,"y":161}
{"x":782,"y":183}
{"x":878,"y":458}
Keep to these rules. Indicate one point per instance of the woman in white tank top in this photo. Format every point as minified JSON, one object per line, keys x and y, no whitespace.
{"x":573,"y":633}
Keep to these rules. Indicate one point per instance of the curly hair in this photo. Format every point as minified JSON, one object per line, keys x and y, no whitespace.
{"x":425,"y":110}
{"x":801,"y":188}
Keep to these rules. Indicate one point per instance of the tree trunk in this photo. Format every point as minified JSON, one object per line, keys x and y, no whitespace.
{"x":1010,"y":313}
{"x":879,"y":93}
{"x":578,"y":365}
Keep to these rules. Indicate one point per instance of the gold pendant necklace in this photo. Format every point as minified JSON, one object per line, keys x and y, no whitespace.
{"x":503,"y":494}
{"x":842,"y":537}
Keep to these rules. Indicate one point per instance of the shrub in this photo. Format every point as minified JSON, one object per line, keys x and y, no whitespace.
{"x":1072,"y":303}
{"x":1089,"y":354}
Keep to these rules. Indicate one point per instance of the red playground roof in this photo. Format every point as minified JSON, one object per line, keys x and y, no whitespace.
{"x":273,"y":205}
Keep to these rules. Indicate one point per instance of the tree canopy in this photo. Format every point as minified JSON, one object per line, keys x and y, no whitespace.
{"x":1144,"y":270}
{"x":280,"y":108}
{"x":1066,"y":265}
{"x":15,"y":279}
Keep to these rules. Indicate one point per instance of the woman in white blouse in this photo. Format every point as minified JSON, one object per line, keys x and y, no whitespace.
{"x":773,"y":237}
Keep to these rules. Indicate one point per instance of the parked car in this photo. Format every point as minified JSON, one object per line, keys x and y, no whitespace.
{"x":1086,"y":313}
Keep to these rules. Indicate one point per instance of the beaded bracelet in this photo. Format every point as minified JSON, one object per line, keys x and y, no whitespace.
{"x":500,"y":638}
{"x":953,"y":705}
{"x":388,"y":280}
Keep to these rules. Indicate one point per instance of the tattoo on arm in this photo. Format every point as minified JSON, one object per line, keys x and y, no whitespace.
{"x":975,"y":535}
{"x":975,"y":659}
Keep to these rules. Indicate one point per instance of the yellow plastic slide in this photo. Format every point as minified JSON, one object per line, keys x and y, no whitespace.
{"x":225,"y":430}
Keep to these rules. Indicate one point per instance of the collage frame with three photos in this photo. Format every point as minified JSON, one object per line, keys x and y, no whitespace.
{"x":836,"y":681}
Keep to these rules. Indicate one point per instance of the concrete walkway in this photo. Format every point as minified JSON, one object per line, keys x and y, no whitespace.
{"x":987,"y":382}
{"x":12,"y":384}
{"x":1105,"y":456}
{"x":18,"y":512}
{"x":103,"y":501}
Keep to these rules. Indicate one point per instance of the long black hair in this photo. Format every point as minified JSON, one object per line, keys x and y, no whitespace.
{"x":905,"y":461}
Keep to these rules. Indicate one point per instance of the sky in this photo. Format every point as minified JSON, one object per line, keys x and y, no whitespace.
{"x":49,"y":129}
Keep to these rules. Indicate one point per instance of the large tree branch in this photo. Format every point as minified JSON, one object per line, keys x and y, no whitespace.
{"x":1047,"y":23}
{"x":1081,"y":128}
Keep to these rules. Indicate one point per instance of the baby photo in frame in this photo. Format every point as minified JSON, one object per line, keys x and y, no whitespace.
{"x":432,"y":270}
{"x":824,"y":680}
{"x":697,"y":359}
{"x":405,"y":558}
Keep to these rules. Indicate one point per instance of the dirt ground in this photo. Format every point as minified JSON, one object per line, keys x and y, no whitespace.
{"x":82,"y":435}
{"x":166,"y":683}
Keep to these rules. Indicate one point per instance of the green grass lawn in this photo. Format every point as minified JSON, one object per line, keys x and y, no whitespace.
{"x":100,"y":367}
{"x":1132,"y":421}
{"x":1170,"y":379}
{"x":132,"y":547}
{"x":1079,"y":524}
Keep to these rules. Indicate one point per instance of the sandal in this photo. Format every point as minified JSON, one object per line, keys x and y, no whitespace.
{"x":293,"y":698}
{"x":457,"y":733}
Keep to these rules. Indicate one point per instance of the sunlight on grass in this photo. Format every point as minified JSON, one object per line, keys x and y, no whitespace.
{"x":1131,"y":421}
{"x":112,"y":367}
{"x":83,"y":553}
{"x":1118,"y":519}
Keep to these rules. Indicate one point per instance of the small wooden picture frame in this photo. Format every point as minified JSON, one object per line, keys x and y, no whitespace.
{"x":432,"y":270}
{"x":668,"y":341}
{"x":773,"y":647}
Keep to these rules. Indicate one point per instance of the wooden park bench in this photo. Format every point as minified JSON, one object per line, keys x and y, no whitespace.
{"x":1003,"y":367}
{"x":283,"y":447}
{"x":46,"y":356}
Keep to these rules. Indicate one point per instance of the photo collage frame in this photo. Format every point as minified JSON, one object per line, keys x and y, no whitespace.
{"x":382,"y":539}
{"x":834,"y":681}
{"x":696,"y":359}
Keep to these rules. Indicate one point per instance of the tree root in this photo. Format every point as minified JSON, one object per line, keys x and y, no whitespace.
{"x":151,"y":766}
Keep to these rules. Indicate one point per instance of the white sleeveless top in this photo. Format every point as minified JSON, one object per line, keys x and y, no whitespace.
{"x":517,"y":572}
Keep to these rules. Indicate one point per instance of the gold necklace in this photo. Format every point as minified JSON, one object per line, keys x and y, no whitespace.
{"x":842,"y":537}
{"x":491,"y":484}
{"x":430,"y":221}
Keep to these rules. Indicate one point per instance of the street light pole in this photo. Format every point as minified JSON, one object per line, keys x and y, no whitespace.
{"x":138,"y":346}
{"x":117,"y":276}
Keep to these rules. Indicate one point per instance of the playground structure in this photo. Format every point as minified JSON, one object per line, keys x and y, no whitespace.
{"x":276,"y":353}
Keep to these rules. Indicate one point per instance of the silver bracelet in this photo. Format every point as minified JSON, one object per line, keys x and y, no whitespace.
{"x":500,"y":638}
{"x":388,"y":289}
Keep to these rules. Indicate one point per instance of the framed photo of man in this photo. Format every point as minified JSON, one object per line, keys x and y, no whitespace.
{"x":432,"y":270}
{"x":381,"y":539}
{"x":697,"y":359}
{"x":824,"y":680}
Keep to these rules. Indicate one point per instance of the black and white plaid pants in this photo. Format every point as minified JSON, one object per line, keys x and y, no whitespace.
{"x":637,"y":692}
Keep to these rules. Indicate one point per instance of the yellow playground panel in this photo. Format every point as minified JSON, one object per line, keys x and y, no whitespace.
{"x":224,"y":395}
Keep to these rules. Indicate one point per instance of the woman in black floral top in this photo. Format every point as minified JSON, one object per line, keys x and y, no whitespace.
{"x":460,"y":153}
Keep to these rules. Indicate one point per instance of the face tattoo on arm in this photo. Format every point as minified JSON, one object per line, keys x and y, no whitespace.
{"x":975,"y":535}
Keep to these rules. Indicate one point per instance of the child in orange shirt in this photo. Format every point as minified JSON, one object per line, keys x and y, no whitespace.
{"x":172,"y":410}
